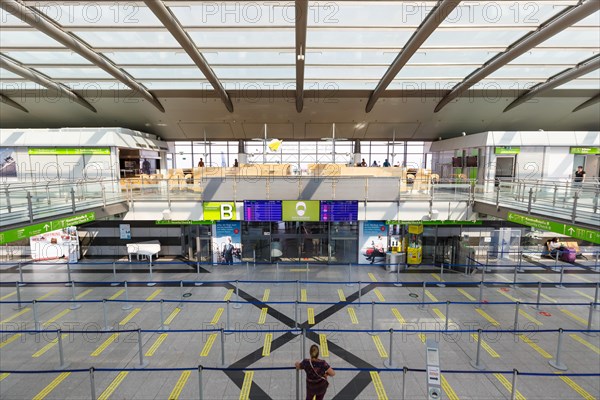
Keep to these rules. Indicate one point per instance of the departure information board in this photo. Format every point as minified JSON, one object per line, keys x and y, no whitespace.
{"x":262,"y":210}
{"x":332,"y":210}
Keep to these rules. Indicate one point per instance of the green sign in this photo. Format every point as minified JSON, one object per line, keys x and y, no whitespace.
{"x":219,"y":211}
{"x":585,"y":150}
{"x":13,"y":235}
{"x":182,"y":222}
{"x":306,"y":210}
{"x":573,"y":231}
{"x":507,"y":150}
{"x":434,"y":222}
{"x":69,"y":151}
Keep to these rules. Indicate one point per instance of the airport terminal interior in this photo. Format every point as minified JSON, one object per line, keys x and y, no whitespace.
{"x":194,"y":193}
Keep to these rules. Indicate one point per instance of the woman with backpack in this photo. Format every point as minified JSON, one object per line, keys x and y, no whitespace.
{"x":317,"y":372}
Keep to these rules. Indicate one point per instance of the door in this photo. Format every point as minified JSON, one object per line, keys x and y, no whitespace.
{"x":196,"y":242}
{"x":505,"y":167}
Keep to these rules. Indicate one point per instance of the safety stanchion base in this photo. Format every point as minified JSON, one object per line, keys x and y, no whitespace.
{"x":141,"y":366}
{"x":75,"y":307}
{"x":373,"y":333}
{"x":127,"y":307}
{"x":560,"y":367}
{"x":388,"y":363}
{"x":398,"y":284}
{"x":226,"y":333}
{"x":559,"y":286}
{"x":21,"y":284}
{"x":115,"y":284}
{"x":481,"y":366}
{"x":237,"y":306}
{"x":165,"y":328}
{"x":151,"y":284}
{"x":68,"y":284}
{"x":296,"y":332}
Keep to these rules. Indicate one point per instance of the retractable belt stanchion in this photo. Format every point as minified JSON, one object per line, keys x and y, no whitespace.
{"x":447,"y":314}
{"x":227,"y":319}
{"x":480,"y":305}
{"x":297,"y":384}
{"x":92,"y":383}
{"x":127,"y":305}
{"x":114,"y":268}
{"x":441,"y":284}
{"x":74,"y":304}
{"x":557,"y":362}
{"x":21,"y":280}
{"x":359,"y":293}
{"x":422,"y":304}
{"x":200,"y":388}
{"x":163,"y":327}
{"x":36,"y":322}
{"x":596,"y":296}
{"x":477,"y":364}
{"x":560,"y":282}
{"x":237,"y":305}
{"x":404,"y":372}
{"x":105,"y":316}
{"x":143,"y":363}
{"x":150,"y":283}
{"x":389,"y":363}
{"x":277,"y":273}
{"x":538,"y":297}
{"x":295,"y":332}
{"x":69,"y":280}
{"x":19,"y":305}
{"x":516,"y":323}
{"x":589,"y":324}
{"x":372,"y":319}
{"x":513,"y":391}
{"x":181,"y":303}
{"x":223,"y":365}
{"x":61,"y":354}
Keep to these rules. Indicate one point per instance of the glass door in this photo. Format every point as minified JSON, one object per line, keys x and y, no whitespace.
{"x":196,"y":242}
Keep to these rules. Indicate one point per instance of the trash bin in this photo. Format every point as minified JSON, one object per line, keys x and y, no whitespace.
{"x":393,"y":260}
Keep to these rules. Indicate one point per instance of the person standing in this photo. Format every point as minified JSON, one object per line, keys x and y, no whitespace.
{"x":386,"y":163}
{"x":579,"y":177}
{"x":317,"y":372}
{"x":236,"y":164}
{"x":201,"y":163}
{"x":363,"y":163}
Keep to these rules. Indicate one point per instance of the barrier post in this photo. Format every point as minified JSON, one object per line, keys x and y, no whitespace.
{"x":92,"y":383}
{"x":560,"y":282}
{"x":404,"y":371}
{"x":222,"y":348}
{"x":477,"y":364}
{"x":19,"y":305}
{"x":520,"y":261}
{"x":69,"y":280}
{"x":200,"y":390}
{"x":349,"y":284}
{"x":163,"y":327}
{"x":557,"y":362}
{"x":227,"y":319}
{"x":105,"y":316}
{"x":114,"y":268}
{"x":196,"y":283}
{"x":513,"y":391}
{"x":61,"y":354}
{"x":440,"y":284}
{"x":389,"y":363}
{"x":181,"y":304}
{"x":277,"y":273}
{"x":21,"y":280}
{"x":422,"y":305}
{"x":514,"y":284}
{"x":589,"y":324}
{"x":483,"y":271}
{"x":143,"y":363}
{"x":36,"y":322}
{"x":150,"y":270}
{"x":307,"y":273}
{"x":297,"y":290}
{"x":398,"y":284}
{"x":295,"y":332}
{"x":516,"y":323}
{"x":237,"y":305}
{"x":127,"y":305}
{"x":359,"y":293}
{"x":303,"y":348}
{"x":297,"y":384}
{"x":74,"y":304}
{"x":447,"y":314}
{"x":595,"y":295}
{"x":539,"y":295}
{"x":481,"y":295}
{"x":372,"y":319}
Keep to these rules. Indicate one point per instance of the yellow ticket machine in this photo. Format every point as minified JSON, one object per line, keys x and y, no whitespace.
{"x":414,"y":249}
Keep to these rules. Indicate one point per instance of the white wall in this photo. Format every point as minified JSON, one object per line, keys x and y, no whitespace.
{"x":558,"y":163}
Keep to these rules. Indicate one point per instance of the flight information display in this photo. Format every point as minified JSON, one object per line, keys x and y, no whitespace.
{"x":262,"y":210}
{"x":333,"y":210}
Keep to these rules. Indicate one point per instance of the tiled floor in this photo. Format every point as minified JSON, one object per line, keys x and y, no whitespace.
{"x":348,"y":345}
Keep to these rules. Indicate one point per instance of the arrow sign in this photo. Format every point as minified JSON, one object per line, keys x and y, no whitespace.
{"x":576,"y":232}
{"x":46,"y":227}
{"x":570,"y":230}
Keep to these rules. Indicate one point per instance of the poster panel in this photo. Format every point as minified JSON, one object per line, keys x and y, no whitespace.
{"x":372,"y":241}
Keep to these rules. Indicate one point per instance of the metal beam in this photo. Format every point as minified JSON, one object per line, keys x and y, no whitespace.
{"x":427,"y":27}
{"x":550,"y":28}
{"x":32,"y":75}
{"x":561,"y":78}
{"x":44,"y":24}
{"x":173,"y":25}
{"x":10,"y":102}
{"x":301,"y":23}
{"x":590,"y":102}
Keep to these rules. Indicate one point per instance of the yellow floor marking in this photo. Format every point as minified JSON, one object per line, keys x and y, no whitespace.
{"x":379,"y":295}
{"x":535,"y":346}
{"x":7,"y":296}
{"x":104,"y":345}
{"x":422,"y":337}
{"x":581,"y":278}
{"x":398,"y":316}
{"x":310,"y":312}
{"x":575,"y":317}
{"x":83,"y":294}
{"x":529,"y":317}
{"x":437,"y":277}
{"x":267,"y":345}
{"x":584,"y":342}
{"x":263,"y":316}
{"x":448,"y":389}
{"x":183,"y":378}
{"x":228,"y":295}
{"x":486,"y":346}
{"x":56,"y":317}
{"x":352,"y":315}
{"x":324,"y":347}
{"x":439,"y":314}
{"x":47,"y":347}
{"x":303,"y":296}
{"x":467,"y":295}
{"x":51,"y":386}
{"x":50,"y":293}
{"x":208,"y":345}
{"x":130,"y":316}
{"x":10,"y":340}
{"x":379,"y":389}
{"x":299,"y":270}
{"x":154,"y":294}
{"x":487,"y":316}
{"x":382,"y":352}
{"x":23,"y":311}
{"x":542,"y":278}
{"x":113,"y":385}
{"x":431,"y":296}
{"x":117,"y":294}
{"x":550,"y":299}
{"x":245,"y":392}
{"x":159,"y":340}
{"x":581,"y":391}
{"x":4,"y":375}
{"x":266,"y":295}
{"x":508,"y":296}
{"x":172,"y":316}
{"x":217,"y":316}
{"x":341,"y":295}
{"x":503,"y":278}
{"x":584,"y":294}
{"x":508,"y":386}
{"x":373,"y":279}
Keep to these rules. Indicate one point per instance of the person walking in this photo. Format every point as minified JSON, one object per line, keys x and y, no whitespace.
{"x":317,"y":372}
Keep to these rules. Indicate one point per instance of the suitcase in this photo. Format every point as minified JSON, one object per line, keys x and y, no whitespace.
{"x":568,"y":255}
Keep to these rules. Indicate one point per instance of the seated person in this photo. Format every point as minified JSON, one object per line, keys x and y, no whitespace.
{"x":377,"y":250}
{"x":554,"y":246}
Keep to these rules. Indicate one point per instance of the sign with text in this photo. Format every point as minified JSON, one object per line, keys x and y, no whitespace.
{"x":54,"y":151}
{"x":573,"y":231}
{"x":585,"y":150}
{"x":433,"y":222}
{"x":507,"y":150}
{"x":13,"y":235}
{"x":306,"y":210}
{"x":182,"y":222}
{"x":217,"y":211}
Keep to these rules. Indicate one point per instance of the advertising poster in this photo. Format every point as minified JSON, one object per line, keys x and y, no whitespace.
{"x":125,"y":231}
{"x":59,"y":244}
{"x":372,"y":242}
{"x":8,"y":164}
{"x":227,"y":242}
{"x":307,"y":210}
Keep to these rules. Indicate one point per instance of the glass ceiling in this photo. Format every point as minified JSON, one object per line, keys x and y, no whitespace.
{"x":350,"y":44}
